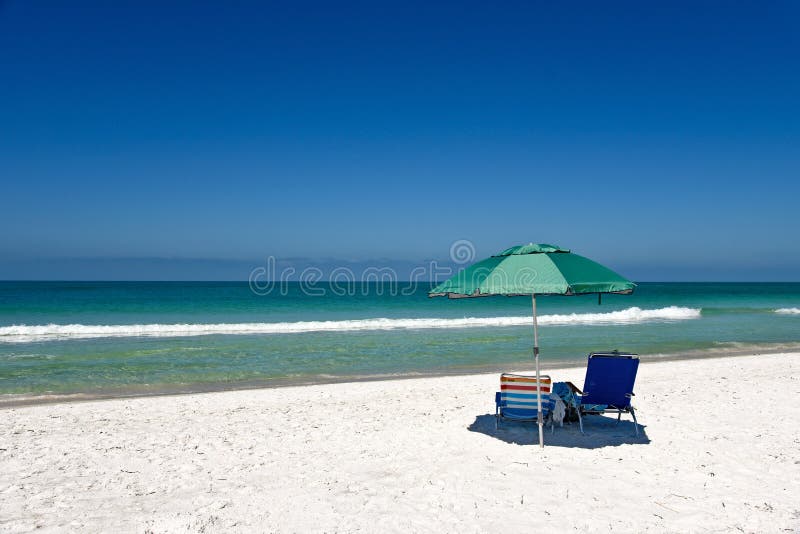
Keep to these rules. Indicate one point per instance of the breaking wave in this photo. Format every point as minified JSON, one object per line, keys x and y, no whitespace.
{"x":788,"y":311}
{"x":30,"y":333}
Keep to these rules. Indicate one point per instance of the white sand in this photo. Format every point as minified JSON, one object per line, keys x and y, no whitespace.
{"x":720,"y":453}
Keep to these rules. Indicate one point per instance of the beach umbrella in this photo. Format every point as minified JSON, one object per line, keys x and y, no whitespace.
{"x":531,"y":270}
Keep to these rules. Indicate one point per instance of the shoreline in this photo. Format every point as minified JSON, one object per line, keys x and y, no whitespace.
{"x":11,"y":400}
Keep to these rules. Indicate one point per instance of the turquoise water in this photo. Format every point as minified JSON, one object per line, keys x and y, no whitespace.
{"x":107,"y":337}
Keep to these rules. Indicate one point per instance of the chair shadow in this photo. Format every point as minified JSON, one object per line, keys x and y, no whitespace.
{"x":600,"y":431}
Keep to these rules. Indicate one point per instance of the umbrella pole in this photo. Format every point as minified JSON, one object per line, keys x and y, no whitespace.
{"x":539,"y":418}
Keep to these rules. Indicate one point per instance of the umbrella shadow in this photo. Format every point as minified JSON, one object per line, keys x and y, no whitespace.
{"x":600,"y":431}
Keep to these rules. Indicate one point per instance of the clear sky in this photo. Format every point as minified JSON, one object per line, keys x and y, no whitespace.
{"x":661,"y":138}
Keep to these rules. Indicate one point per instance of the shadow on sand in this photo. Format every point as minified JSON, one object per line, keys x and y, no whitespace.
{"x":600,"y":431}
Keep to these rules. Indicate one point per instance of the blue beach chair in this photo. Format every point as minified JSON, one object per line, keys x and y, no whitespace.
{"x":518,"y":398}
{"x":608,"y":386}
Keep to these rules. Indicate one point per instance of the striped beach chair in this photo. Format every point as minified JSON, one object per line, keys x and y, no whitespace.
{"x":518,"y":398}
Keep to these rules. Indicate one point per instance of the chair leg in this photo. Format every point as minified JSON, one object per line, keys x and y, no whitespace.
{"x":619,"y":415}
{"x":580,"y":420}
{"x":635,"y":423}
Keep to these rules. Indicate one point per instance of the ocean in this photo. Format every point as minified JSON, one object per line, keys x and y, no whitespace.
{"x":129,"y":338}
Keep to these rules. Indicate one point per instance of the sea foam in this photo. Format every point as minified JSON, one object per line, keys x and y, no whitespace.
{"x":30,"y":333}
{"x":788,"y":311}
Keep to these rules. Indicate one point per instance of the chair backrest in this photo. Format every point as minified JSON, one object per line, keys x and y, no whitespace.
{"x":519,"y":391}
{"x":609,"y":379}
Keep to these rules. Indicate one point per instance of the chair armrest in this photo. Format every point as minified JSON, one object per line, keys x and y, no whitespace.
{"x":574,"y":388}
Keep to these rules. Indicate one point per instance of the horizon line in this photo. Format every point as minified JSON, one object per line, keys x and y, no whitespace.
{"x":86,"y":280}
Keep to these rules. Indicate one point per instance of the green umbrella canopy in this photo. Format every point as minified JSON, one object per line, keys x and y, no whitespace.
{"x":534,"y":269}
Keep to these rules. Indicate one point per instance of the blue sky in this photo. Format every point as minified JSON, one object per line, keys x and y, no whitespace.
{"x":661,"y":139}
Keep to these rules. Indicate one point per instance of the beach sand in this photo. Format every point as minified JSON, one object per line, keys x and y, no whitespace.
{"x":720,"y":452}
